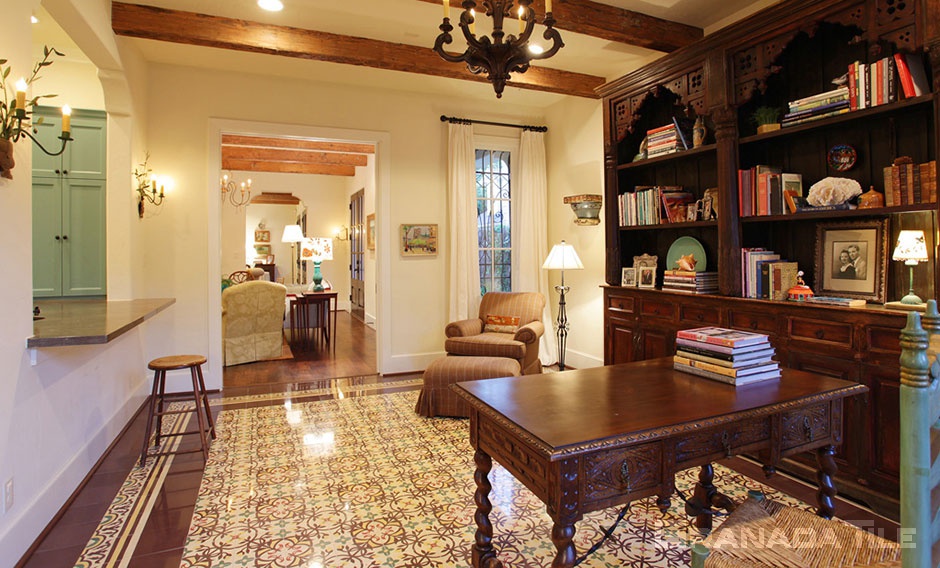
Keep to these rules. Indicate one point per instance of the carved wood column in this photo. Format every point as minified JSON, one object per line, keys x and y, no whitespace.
{"x":729,"y":234}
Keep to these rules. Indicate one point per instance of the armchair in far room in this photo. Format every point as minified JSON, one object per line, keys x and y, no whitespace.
{"x":509,"y":325}
{"x":252,"y":321}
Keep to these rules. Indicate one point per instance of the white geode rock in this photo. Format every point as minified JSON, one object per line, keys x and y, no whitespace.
{"x":832,"y":191}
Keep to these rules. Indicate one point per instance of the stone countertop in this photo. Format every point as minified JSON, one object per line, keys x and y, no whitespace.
{"x":90,"y":321}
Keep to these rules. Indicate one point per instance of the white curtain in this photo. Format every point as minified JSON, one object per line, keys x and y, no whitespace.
{"x":530,"y":232}
{"x":464,"y":301}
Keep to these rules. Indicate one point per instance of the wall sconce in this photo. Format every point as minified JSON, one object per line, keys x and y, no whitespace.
{"x":341,"y":234}
{"x":239,"y":194}
{"x":15,"y":119}
{"x":587,"y":208}
{"x":147,"y":187}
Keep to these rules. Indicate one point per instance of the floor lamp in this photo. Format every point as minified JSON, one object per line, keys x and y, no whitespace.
{"x":562,"y":257}
{"x":293,"y":234}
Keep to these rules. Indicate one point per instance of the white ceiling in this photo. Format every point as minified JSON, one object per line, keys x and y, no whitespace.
{"x":409,"y":22}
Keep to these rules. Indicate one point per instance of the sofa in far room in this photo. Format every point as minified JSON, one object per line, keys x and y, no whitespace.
{"x":252,"y":321}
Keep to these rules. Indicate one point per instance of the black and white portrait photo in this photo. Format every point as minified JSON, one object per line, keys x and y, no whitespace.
{"x":850,"y":259}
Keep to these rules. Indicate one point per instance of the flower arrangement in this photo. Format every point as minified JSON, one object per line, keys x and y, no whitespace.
{"x":10,"y":119}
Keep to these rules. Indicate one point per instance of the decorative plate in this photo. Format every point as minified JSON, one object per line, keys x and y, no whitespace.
{"x":682,"y":248}
{"x":841,"y":157}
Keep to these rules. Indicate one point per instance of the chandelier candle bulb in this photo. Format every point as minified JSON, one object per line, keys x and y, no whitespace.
{"x":66,"y":118}
{"x":521,"y":19}
{"x":473,"y":22}
{"x":446,"y":9}
{"x":21,"y":94}
{"x":548,"y":6}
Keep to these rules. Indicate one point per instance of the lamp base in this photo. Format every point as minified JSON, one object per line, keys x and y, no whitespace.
{"x":317,"y":277}
{"x":907,"y":307}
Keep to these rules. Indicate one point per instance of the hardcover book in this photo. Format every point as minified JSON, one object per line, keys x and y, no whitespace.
{"x":722,"y":336}
{"x":731,"y":361}
{"x":736,"y":381}
{"x":739,"y":372}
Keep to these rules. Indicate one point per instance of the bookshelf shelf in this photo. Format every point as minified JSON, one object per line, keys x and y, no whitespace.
{"x":659,"y":160}
{"x":669,"y":226}
{"x":805,"y":215}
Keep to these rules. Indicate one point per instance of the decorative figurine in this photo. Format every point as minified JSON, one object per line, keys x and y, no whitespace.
{"x":800,"y":291}
{"x":698,"y":132}
{"x":871,"y":199}
{"x":687,"y":262}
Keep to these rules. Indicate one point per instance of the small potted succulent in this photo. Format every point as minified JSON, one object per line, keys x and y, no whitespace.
{"x":15,"y":112}
{"x":765,"y":118}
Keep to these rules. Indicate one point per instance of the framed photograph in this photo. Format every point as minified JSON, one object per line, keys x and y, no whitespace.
{"x":418,"y":240}
{"x":628,"y":277}
{"x":262,"y":250}
{"x":645,"y":269}
{"x":851,"y":259}
{"x":262,"y":236}
{"x":370,"y":231}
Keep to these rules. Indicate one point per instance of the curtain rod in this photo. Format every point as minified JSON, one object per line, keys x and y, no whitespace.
{"x":455,"y":120}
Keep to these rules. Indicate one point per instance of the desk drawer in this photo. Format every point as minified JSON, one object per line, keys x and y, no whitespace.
{"x":620,"y":304}
{"x":725,"y":440}
{"x":831,"y":333}
{"x":805,"y":426}
{"x":657,"y":309}
{"x":699,"y":315}
{"x":758,"y":322}
{"x":615,"y":472}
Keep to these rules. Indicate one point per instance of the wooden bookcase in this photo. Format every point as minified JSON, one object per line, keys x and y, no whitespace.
{"x":786,"y":52}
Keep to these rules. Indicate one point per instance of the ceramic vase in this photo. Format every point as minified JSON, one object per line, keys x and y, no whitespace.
{"x":698,"y":132}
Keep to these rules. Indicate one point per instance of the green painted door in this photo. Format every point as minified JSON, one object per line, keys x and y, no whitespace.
{"x":83,"y":240}
{"x":47,"y":237}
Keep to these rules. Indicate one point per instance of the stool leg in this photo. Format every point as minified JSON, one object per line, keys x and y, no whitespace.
{"x":205,"y":400}
{"x":153,"y":397}
{"x":161,"y":408}
{"x":199,"y":411}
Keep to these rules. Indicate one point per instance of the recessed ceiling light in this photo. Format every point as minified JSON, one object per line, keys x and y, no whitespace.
{"x":34,"y":19}
{"x":271,"y":5}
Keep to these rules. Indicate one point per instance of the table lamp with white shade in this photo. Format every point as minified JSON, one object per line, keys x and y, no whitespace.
{"x":911,"y":249}
{"x":317,"y":249}
{"x":561,"y":257}
{"x":293,"y":234}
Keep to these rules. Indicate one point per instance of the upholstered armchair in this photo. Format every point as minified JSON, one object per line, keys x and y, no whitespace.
{"x":509,"y":325}
{"x":252,"y":321}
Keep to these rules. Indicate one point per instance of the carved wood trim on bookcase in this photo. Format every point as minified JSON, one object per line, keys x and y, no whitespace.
{"x":688,"y":85}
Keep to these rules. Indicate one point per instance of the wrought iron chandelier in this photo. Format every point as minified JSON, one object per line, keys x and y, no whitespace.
{"x":237,"y":195}
{"x":499,"y":56}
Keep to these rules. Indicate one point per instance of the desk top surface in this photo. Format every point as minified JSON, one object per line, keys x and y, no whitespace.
{"x":636,"y":401}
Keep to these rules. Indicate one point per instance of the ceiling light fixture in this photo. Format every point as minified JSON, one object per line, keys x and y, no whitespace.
{"x":34,"y":20}
{"x":498,"y":57}
{"x":271,"y":5}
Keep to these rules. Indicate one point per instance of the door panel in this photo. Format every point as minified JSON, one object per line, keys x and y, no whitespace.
{"x":83,"y":264}
{"x":47,"y":237}
{"x":357,"y":296}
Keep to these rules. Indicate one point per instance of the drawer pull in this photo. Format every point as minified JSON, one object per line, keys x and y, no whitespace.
{"x":699,"y":317}
{"x":820,"y":334}
{"x":754,"y":325}
{"x":625,"y":474}
{"x":808,"y":428}
{"x":726,"y":442}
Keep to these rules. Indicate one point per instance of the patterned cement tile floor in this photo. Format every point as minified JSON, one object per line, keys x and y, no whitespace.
{"x":361,"y":481}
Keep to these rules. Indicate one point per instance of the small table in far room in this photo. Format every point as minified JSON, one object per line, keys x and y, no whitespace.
{"x":591,"y":439}
{"x":323,"y":305}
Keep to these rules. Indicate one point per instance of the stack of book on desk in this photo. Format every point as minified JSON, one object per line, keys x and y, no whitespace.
{"x":690,"y":281}
{"x":726,"y":355}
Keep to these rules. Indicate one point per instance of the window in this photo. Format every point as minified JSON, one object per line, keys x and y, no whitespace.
{"x":493,"y":200}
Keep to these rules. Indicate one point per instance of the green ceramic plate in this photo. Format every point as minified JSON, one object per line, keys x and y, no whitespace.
{"x":682,"y":247}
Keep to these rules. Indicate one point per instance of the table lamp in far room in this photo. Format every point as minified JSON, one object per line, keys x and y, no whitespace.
{"x":561,"y":257}
{"x":912,"y":249}
{"x":293,"y":234}
{"x":317,"y":249}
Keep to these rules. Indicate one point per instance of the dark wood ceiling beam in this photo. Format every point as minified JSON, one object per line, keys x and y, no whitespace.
{"x":610,"y":23}
{"x":288,"y":167}
{"x":303,"y":156}
{"x":190,"y":28}
{"x":296,"y":143}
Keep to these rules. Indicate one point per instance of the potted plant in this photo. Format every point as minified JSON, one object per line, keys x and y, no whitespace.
{"x":766,"y":119}
{"x":15,"y":112}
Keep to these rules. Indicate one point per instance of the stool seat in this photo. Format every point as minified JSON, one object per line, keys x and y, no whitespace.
{"x":159,"y":401}
{"x":436,"y":397}
{"x":174,"y":362}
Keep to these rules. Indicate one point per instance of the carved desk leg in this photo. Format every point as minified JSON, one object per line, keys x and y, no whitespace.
{"x":825,"y":497}
{"x":704,"y":497}
{"x":563,"y":539}
{"x":484,"y":555}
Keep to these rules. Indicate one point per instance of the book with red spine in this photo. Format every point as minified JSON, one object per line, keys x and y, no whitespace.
{"x":722,"y":336}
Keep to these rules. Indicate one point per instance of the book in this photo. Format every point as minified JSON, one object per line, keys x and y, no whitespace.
{"x":839,"y":91}
{"x":736,"y":381}
{"x":722,"y":336}
{"x":805,"y":119}
{"x":783,"y":277}
{"x":691,"y":344}
{"x":915,"y":66}
{"x":835,"y":301}
{"x":744,"y":371}
{"x":675,"y":203}
{"x":732,"y":361}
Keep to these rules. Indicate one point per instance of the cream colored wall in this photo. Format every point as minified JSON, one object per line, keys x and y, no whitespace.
{"x":575,"y":155}
{"x":74,"y":83}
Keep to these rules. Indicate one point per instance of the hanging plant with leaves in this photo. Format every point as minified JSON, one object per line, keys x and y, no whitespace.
{"x":10,"y":123}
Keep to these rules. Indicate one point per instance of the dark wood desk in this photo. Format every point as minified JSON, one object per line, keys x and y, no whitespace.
{"x":324,"y":305}
{"x":588,"y":440}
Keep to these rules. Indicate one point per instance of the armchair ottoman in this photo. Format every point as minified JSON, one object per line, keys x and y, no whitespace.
{"x":437,"y":399}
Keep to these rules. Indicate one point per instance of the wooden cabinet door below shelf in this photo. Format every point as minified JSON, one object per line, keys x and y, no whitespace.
{"x":621,"y":339}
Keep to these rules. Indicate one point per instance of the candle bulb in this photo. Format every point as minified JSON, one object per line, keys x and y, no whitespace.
{"x":66,"y":119}
{"x":521,"y":21}
{"x":21,"y":87}
{"x":548,"y":6}
{"x":446,"y":9}
{"x":473,"y":22}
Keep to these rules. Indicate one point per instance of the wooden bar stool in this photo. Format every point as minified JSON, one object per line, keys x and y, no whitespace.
{"x":158,"y":400}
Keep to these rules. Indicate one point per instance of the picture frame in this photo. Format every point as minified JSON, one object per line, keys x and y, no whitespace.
{"x":418,"y":240}
{"x":851,"y":259}
{"x":262,"y":236}
{"x":645,"y":268}
{"x":628,"y":277}
{"x":262,"y":250}
{"x":370,"y":231}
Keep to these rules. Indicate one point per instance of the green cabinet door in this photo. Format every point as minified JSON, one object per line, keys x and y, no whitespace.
{"x":83,"y":237}
{"x":47,"y":237}
{"x":84,"y":156}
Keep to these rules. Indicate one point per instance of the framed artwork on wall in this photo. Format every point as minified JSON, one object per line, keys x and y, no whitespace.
{"x":262,"y":236}
{"x":370,"y":231}
{"x":851,"y":259}
{"x":418,"y":240}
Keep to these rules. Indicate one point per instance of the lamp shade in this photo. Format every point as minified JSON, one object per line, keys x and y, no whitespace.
{"x":292,"y":234}
{"x":563,"y":257}
{"x":316,"y":249}
{"x":911,"y":247}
